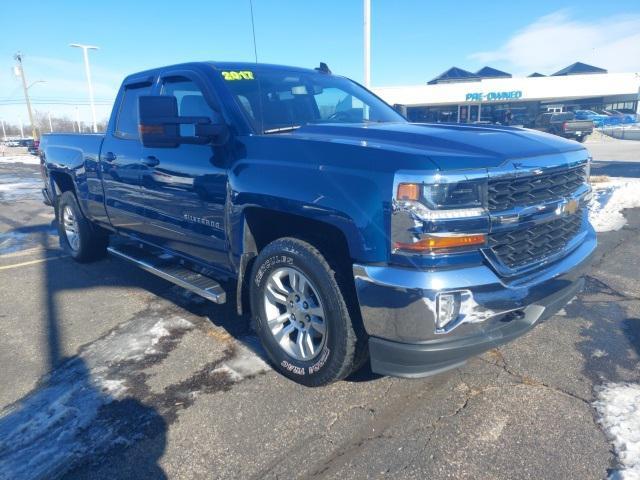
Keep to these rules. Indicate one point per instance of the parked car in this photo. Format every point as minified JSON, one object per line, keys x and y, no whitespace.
{"x":612,"y":118}
{"x":598,"y":119}
{"x":628,"y":116}
{"x":32,"y":147}
{"x":564,"y":124}
{"x":342,"y":229}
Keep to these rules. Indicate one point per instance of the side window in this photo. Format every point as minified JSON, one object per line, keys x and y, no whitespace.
{"x":335,"y":104}
{"x":191,"y":101}
{"x":127,"y":123}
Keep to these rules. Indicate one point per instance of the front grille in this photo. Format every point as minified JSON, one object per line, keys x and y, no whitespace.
{"x":517,"y":248}
{"x":507,"y":193}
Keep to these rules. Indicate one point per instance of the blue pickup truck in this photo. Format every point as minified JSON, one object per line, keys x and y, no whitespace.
{"x":346,"y":232}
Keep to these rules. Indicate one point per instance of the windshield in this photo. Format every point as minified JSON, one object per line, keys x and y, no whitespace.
{"x":279,"y":101}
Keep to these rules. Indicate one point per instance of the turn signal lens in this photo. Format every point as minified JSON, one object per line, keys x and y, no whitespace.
{"x":409,"y":191}
{"x":433,"y":243}
{"x":150,"y":129}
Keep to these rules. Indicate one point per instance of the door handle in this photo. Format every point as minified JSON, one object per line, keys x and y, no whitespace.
{"x":151,"y":161}
{"x":109,"y":157}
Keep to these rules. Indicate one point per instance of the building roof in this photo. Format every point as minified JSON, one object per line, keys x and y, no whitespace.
{"x":579,"y":68}
{"x":536,"y":74}
{"x":489,"y":72}
{"x":455,"y":74}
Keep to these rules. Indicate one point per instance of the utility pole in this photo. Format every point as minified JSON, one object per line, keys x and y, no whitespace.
{"x":367,"y":43}
{"x":50,"y":124}
{"x":4,"y":132}
{"x":20,"y":72}
{"x":87,"y":70}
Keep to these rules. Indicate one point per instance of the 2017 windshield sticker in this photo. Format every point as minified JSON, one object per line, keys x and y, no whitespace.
{"x":239,"y":75}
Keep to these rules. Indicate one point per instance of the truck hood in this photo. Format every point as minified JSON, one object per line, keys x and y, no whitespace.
{"x":448,"y":146}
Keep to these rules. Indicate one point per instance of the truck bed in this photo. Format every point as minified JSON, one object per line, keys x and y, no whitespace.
{"x":70,"y":149}
{"x":575,"y":126}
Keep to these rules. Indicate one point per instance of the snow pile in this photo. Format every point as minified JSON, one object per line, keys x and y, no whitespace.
{"x":26,"y":159}
{"x":16,"y":241}
{"x":67,"y":419}
{"x":90,"y":403}
{"x":609,"y":199}
{"x":618,"y":406}
{"x":13,"y":188}
{"x":245,"y":362}
{"x":133,"y":341}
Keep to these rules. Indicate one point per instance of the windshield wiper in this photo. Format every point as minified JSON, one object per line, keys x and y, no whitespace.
{"x":282,"y":129}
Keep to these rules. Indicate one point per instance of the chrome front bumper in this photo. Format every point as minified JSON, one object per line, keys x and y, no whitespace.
{"x":398,"y":310}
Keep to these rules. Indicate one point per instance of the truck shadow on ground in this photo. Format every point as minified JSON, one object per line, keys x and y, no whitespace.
{"x":92,"y":415}
{"x":75,"y":414}
{"x":616,"y":169}
{"x":610,"y":344}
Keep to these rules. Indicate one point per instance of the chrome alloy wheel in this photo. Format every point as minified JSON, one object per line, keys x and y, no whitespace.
{"x":295,"y":315}
{"x":71,"y":229}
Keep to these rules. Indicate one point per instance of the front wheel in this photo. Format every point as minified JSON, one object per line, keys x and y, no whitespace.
{"x":301,"y":315}
{"x":78,"y":237}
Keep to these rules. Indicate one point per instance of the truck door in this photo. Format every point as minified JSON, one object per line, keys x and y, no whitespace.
{"x":184,"y":188}
{"x":120,"y":161}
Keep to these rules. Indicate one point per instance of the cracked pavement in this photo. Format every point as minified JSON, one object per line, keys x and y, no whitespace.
{"x":521,"y":411}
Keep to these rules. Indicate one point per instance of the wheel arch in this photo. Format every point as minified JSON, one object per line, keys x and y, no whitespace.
{"x":261,"y":226}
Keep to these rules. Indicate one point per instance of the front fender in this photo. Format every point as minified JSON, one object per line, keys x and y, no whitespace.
{"x":345,"y":186}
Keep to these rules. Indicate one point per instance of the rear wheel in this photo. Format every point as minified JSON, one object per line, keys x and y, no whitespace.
{"x":301,"y":315}
{"x":83,"y":241}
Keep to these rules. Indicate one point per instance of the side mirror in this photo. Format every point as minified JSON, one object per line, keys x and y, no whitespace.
{"x":160,"y":124}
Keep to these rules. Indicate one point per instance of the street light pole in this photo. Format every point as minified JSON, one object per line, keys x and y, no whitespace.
{"x":87,"y":69}
{"x":367,"y":43}
{"x":50,"y":124}
{"x":20,"y":72}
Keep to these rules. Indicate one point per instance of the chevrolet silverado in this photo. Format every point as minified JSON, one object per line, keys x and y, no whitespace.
{"x":346,"y":232}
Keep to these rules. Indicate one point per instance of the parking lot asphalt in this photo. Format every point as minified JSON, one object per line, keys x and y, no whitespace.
{"x":605,"y":148}
{"x":110,"y":373}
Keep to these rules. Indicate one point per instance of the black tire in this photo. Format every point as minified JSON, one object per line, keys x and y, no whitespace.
{"x":581,"y":138}
{"x":343,"y":348}
{"x":91,"y":243}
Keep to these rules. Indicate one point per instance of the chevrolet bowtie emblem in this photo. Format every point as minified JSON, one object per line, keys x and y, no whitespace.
{"x":571,"y":207}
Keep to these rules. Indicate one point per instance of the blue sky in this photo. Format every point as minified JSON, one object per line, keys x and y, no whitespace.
{"x":412,"y":40}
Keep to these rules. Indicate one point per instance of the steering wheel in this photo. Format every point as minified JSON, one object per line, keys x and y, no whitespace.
{"x":342,"y":115}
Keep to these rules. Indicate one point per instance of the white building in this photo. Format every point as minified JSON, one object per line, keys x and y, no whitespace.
{"x":487,"y":95}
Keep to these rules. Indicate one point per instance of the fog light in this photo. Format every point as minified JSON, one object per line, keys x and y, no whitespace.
{"x":448,"y":308}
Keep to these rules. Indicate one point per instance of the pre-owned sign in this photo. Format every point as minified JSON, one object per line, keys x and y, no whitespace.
{"x":493,"y":96}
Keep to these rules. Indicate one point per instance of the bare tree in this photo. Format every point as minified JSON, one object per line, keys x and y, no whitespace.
{"x":59,"y":123}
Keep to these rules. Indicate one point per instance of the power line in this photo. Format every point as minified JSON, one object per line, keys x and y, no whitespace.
{"x":55,"y":102}
{"x":52,"y":99}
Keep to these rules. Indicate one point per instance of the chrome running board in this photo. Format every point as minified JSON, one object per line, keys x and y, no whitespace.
{"x":173,"y":272}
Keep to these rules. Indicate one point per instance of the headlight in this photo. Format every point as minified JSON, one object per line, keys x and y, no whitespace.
{"x":444,"y":213}
{"x":444,"y":200}
{"x":446,"y":196}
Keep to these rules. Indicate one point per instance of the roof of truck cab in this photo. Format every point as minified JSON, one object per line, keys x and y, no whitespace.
{"x":219,"y":66}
